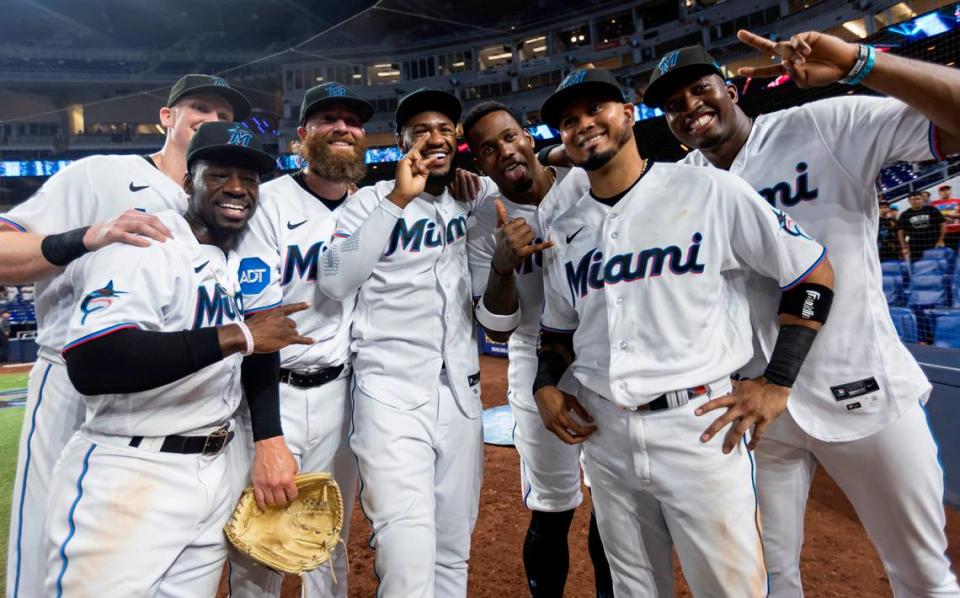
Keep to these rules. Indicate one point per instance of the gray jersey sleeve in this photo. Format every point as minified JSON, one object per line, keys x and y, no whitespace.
{"x":363,"y":230}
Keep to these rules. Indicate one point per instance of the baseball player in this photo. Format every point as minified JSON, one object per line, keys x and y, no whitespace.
{"x":646,"y":307}
{"x":279,"y":264}
{"x":857,"y":405}
{"x":118,"y":193}
{"x":507,"y":279}
{"x":416,"y":404}
{"x":141,"y":493}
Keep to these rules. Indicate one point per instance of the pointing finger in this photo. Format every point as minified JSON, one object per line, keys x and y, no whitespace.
{"x":293,"y":308}
{"x":774,"y":70}
{"x":756,"y":41}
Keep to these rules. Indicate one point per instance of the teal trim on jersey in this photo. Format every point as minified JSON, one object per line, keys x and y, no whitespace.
{"x":70,"y":520}
{"x":98,"y":334}
{"x":26,"y":471}
{"x":12,"y":224}
{"x":934,"y":142}
{"x":802,"y":277}
{"x":254,"y":310}
{"x":756,"y":501}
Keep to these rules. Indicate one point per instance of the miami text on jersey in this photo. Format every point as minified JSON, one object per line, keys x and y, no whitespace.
{"x":784,"y":194}
{"x":424,"y":232}
{"x":210,"y":311}
{"x":304,"y":265}
{"x":592,"y":272}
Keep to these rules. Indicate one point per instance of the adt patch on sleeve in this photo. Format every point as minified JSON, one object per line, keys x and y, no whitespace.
{"x":254,"y":275}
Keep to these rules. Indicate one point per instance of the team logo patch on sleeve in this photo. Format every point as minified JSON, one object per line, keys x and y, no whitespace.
{"x":788,"y":225}
{"x":254,"y":275}
{"x":98,"y":300}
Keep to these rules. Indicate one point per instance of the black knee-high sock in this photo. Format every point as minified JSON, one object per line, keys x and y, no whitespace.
{"x":546,"y":557}
{"x":601,"y":568}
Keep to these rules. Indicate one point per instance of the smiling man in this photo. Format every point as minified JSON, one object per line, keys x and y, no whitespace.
{"x":857,"y":406}
{"x":645,"y":307}
{"x":417,"y":432}
{"x":93,"y":202}
{"x":159,"y":347}
{"x":280,"y":258}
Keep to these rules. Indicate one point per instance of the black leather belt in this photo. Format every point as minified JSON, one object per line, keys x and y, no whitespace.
{"x":310,"y":380}
{"x":663,"y":401}
{"x":210,"y":444}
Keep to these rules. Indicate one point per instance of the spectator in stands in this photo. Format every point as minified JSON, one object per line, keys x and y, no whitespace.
{"x":4,"y":336}
{"x":920,"y":228}
{"x":949,"y":206}
{"x":887,"y":242}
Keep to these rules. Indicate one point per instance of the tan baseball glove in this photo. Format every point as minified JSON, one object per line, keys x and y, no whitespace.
{"x":296,"y":538}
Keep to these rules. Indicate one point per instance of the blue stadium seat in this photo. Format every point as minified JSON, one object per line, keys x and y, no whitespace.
{"x":906,"y":324}
{"x":928,"y":285}
{"x":894,"y":267}
{"x":893,"y":289}
{"x":947,"y":331}
{"x":944,"y":255}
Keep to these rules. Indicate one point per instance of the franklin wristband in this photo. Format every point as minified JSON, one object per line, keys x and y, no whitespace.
{"x":63,"y":248}
{"x":550,"y":368}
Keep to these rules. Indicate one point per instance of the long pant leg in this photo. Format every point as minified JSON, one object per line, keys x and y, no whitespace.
{"x":54,"y":411}
{"x":785,"y":469}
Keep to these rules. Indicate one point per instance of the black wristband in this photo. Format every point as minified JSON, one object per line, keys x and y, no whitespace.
{"x":807,"y":301}
{"x":62,"y":249}
{"x":793,"y":344}
{"x":550,"y":368}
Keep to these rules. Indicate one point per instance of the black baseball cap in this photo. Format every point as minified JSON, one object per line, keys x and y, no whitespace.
{"x":425,"y":99}
{"x":194,"y":84}
{"x":576,"y":84}
{"x":675,"y":68}
{"x":333,"y":93}
{"x":230,"y":143}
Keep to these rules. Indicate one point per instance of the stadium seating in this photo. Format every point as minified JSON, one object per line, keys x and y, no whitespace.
{"x":929,"y":285}
{"x":893,"y":289}
{"x":905,"y":322}
{"x":946,"y":332}
{"x":944,"y":255}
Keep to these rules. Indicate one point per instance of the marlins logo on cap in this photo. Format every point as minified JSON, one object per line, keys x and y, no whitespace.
{"x":240,"y":135}
{"x":572,"y":79}
{"x":668,"y":62}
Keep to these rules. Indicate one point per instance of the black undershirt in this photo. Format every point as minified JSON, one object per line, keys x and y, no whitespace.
{"x":612,"y":201}
{"x":331,"y":204}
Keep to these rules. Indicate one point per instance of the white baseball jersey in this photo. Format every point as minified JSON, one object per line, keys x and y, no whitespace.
{"x":176,"y":285}
{"x":653,"y":287}
{"x":568,"y":188}
{"x":819,"y":161}
{"x":280,"y":256}
{"x":415,"y":310}
{"x":87,"y":191}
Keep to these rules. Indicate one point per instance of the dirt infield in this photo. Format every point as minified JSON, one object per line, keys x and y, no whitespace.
{"x":15,"y":368}
{"x":837,"y":561}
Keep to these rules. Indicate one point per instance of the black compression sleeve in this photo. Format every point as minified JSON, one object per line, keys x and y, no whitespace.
{"x":793,"y":344}
{"x":551,"y":364}
{"x":543,"y":156}
{"x":137,"y":360}
{"x":260,"y":374}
